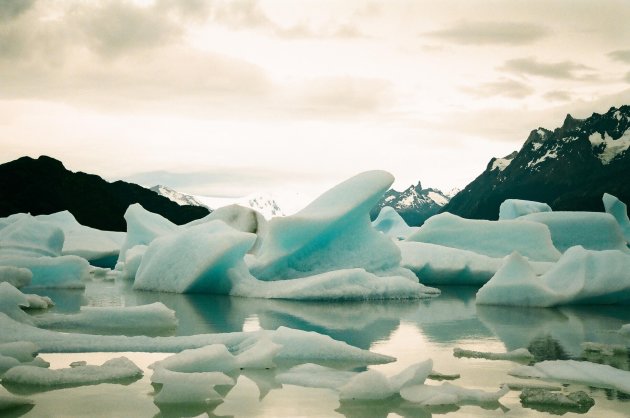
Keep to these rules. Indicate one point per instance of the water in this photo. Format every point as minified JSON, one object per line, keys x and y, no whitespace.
{"x":411,"y":331}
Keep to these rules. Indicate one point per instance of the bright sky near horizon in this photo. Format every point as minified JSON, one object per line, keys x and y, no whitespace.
{"x":226,"y":98}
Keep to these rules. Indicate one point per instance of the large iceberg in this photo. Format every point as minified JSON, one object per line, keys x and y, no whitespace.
{"x":591,"y":230}
{"x":333,"y":232}
{"x":327,"y":251}
{"x":619,"y":210}
{"x":580,"y":277}
{"x":490,"y":238}
{"x":25,"y":236}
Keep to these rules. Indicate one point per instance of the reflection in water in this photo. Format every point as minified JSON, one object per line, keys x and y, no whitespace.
{"x":17,"y":411}
{"x":569,"y":327}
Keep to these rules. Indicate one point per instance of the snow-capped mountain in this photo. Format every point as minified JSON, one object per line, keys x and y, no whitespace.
{"x":260,"y":202}
{"x":180,"y":198}
{"x":569,"y":168}
{"x":414,"y":204}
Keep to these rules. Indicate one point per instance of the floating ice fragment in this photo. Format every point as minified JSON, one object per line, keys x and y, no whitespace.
{"x":112,"y":370}
{"x":390,"y":223}
{"x":315,"y":376}
{"x":16,"y":276}
{"x":447,"y":394}
{"x":619,"y":210}
{"x":571,"y":371}
{"x":368,"y":385}
{"x":520,"y":354}
{"x":514,"y":208}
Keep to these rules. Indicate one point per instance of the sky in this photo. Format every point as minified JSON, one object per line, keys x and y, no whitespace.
{"x":227,"y":98}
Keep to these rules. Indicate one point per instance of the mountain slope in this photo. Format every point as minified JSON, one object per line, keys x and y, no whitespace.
{"x":414,"y":204}
{"x":44,"y":186}
{"x":569,"y":168}
{"x":180,"y":198}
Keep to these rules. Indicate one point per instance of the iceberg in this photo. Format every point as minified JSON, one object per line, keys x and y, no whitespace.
{"x":591,"y":230}
{"x":580,"y":277}
{"x":22,"y":351}
{"x":189,"y":388}
{"x":113,"y":370}
{"x":9,"y":403}
{"x":390,"y":223}
{"x":92,"y":244}
{"x":67,"y":271}
{"x":207,"y":258}
{"x":368,"y":385}
{"x":514,"y":208}
{"x":25,"y":236}
{"x":439,"y":265}
{"x":333,"y":232}
{"x":315,"y":376}
{"x":619,"y":211}
{"x":489,"y":238}
{"x":143,"y":227}
{"x":572,"y":371}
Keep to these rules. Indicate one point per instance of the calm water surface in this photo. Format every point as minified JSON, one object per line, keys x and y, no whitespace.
{"x":411,"y":331}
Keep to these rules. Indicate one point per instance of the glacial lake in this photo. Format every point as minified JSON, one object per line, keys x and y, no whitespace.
{"x":410,"y":331}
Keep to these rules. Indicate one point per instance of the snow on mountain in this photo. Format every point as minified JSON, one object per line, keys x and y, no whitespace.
{"x":181,"y":199}
{"x":414,"y":204}
{"x":569,"y":168}
{"x":264,"y":203}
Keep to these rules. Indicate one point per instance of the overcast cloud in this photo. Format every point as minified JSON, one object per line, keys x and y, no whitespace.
{"x":243,"y":95}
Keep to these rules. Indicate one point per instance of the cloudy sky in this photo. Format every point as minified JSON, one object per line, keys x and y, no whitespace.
{"x":225,"y":98}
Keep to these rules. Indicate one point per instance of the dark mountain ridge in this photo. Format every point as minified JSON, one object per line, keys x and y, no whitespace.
{"x":43,"y":186}
{"x":569,"y":168}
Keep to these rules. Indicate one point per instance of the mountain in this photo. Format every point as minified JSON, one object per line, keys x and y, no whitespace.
{"x":44,"y":186}
{"x":414,"y":204}
{"x":260,"y":202}
{"x":180,"y":198}
{"x":569,"y":168}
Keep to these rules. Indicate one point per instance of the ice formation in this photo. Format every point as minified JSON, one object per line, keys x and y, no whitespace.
{"x":390,"y":223}
{"x":89,"y":243}
{"x":328,"y":251}
{"x":579,"y":277}
{"x":514,"y":208}
{"x":333,"y":232}
{"x":591,"y":230}
{"x":520,"y":354}
{"x":22,"y":351}
{"x":68,"y":271}
{"x":439,"y":265}
{"x":25,"y":236}
{"x":9,"y":402}
{"x":143,"y":227}
{"x":16,"y":276}
{"x":490,"y":238}
{"x":583,"y":372}
{"x":368,"y":385}
{"x":619,"y":211}
{"x":625,"y":329}
{"x":189,"y":388}
{"x":315,"y":376}
{"x":145,"y":318}
{"x":449,"y":394}
{"x":207,"y":258}
{"x":112,"y":370}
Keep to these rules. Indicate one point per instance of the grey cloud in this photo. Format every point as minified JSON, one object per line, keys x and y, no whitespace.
{"x":343,"y":95}
{"x":485,"y":33}
{"x":557,"y":70}
{"x":558,"y":96}
{"x":118,"y":26}
{"x":10,"y":9}
{"x":622,"y":55}
{"x":506,"y":87}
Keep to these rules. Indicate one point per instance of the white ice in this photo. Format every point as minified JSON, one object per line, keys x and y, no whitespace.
{"x":520,"y":354}
{"x":25,"y":236}
{"x":591,"y":230}
{"x":619,"y":211}
{"x":16,"y":276}
{"x":315,"y":376}
{"x":439,"y":265}
{"x":86,"y":242}
{"x":188,"y":388}
{"x":583,"y":372}
{"x":490,"y":238}
{"x":146,"y":318}
{"x":68,"y":271}
{"x":514,"y":208}
{"x":580,"y":277}
{"x":448,"y":394}
{"x":8,"y":401}
{"x":112,"y":370}
{"x":390,"y":223}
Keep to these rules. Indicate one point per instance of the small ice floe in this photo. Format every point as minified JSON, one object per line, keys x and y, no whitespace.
{"x":435,"y":375}
{"x":449,"y":394}
{"x":571,"y":371}
{"x":189,"y":388}
{"x":16,"y":276}
{"x":152,"y":318}
{"x":10,"y":403}
{"x":114,"y":370}
{"x":545,"y":400}
{"x":519,"y":355}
